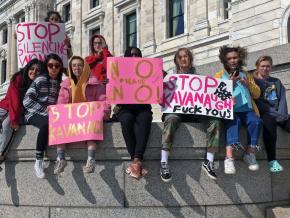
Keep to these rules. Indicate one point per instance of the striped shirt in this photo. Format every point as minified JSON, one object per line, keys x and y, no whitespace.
{"x":42,"y":92}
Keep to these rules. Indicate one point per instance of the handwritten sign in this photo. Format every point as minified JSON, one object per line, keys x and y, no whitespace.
{"x":36,"y":40}
{"x":200,"y":95}
{"x":134,"y":80}
{"x":75,"y":122}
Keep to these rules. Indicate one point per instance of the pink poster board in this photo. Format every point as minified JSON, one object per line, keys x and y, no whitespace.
{"x":75,"y":122}
{"x":134,"y":80}
{"x":38,"y":39}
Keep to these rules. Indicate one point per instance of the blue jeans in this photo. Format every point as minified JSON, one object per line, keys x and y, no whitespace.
{"x":248,"y":119}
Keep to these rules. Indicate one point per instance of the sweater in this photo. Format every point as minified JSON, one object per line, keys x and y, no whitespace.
{"x":42,"y":92}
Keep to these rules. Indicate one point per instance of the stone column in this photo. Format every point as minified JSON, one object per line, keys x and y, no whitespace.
{"x":201,"y":27}
{"x":10,"y":36}
{"x":13,"y":54}
{"x":146,"y":26}
{"x":27,"y":13}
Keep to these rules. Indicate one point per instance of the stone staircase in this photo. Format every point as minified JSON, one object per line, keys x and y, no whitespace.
{"x":109,"y":192}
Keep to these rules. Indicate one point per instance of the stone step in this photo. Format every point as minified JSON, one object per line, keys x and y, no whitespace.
{"x":110,"y":186}
{"x":232,"y":211}
{"x":278,"y":212}
{"x":189,"y":143}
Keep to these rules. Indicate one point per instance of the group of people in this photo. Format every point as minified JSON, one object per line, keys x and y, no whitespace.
{"x":259,"y":101}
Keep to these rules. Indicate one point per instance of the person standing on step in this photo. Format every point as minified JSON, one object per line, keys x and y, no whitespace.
{"x":80,"y":86}
{"x":183,"y":60}
{"x":272,"y":105}
{"x":42,"y":92}
{"x":11,"y":109}
{"x":54,"y":17}
{"x":246,"y":112}
{"x":98,"y":57}
{"x":135,"y":121}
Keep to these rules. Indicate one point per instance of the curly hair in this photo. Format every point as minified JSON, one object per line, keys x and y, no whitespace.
{"x":242,"y":54}
{"x":188,"y":52}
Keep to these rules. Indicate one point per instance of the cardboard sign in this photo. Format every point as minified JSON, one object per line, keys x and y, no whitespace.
{"x":36,"y":40}
{"x":75,"y":122}
{"x":134,"y":80}
{"x":200,"y":95}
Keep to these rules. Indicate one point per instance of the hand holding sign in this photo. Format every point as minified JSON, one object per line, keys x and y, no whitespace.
{"x":200,"y":95}
{"x":36,"y":40}
{"x":76,"y":122}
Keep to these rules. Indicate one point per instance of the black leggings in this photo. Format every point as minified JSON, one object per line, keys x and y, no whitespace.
{"x":136,"y":127}
{"x":41,"y":122}
{"x":270,"y":134}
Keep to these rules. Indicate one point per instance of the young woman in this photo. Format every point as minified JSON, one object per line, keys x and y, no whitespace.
{"x":135,"y":121}
{"x":245,"y":110}
{"x":11,"y":105}
{"x":98,"y":57}
{"x":81,"y":86}
{"x":43,"y":92}
{"x":272,"y":105}
{"x":54,"y":17}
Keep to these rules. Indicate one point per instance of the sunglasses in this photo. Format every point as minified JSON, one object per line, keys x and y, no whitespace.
{"x":56,"y":66}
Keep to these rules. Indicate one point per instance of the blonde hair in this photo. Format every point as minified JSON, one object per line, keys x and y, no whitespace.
{"x":264,"y":58}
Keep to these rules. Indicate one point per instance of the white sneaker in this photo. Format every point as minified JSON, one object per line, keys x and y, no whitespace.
{"x":39,"y":169}
{"x":250,"y":159}
{"x":90,"y":166}
{"x":230,"y":166}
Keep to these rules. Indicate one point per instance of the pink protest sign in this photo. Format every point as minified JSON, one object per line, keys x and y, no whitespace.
{"x":38,"y":39}
{"x":75,"y":122}
{"x":134,"y":80}
{"x":200,"y":95}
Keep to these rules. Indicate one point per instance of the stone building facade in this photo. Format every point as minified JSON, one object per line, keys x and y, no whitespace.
{"x":158,"y":27}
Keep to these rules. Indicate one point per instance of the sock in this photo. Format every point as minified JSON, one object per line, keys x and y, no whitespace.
{"x":210,"y":156}
{"x":39,"y":155}
{"x":164,"y":156}
{"x":60,"y":154}
{"x":91,"y":154}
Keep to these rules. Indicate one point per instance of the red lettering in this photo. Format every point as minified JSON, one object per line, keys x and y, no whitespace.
{"x":210,"y":82}
{"x":183,"y":77}
{"x":191,"y":85}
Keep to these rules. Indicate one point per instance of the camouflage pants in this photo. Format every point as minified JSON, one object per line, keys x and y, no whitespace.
{"x":172,"y":122}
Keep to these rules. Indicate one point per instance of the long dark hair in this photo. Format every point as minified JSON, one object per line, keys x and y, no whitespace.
{"x":25,"y":80}
{"x":129,"y":49}
{"x":50,"y":13}
{"x":58,"y":59}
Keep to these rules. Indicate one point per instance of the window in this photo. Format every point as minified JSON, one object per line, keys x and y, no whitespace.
{"x":3,"y":72}
{"x":226,"y":8}
{"x":176,"y":17}
{"x":131,"y":30}
{"x":95,"y":31}
{"x":66,"y":12}
{"x":94,"y":3}
{"x":288,"y":29}
{"x":5,"y":36}
{"x":22,"y":19}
